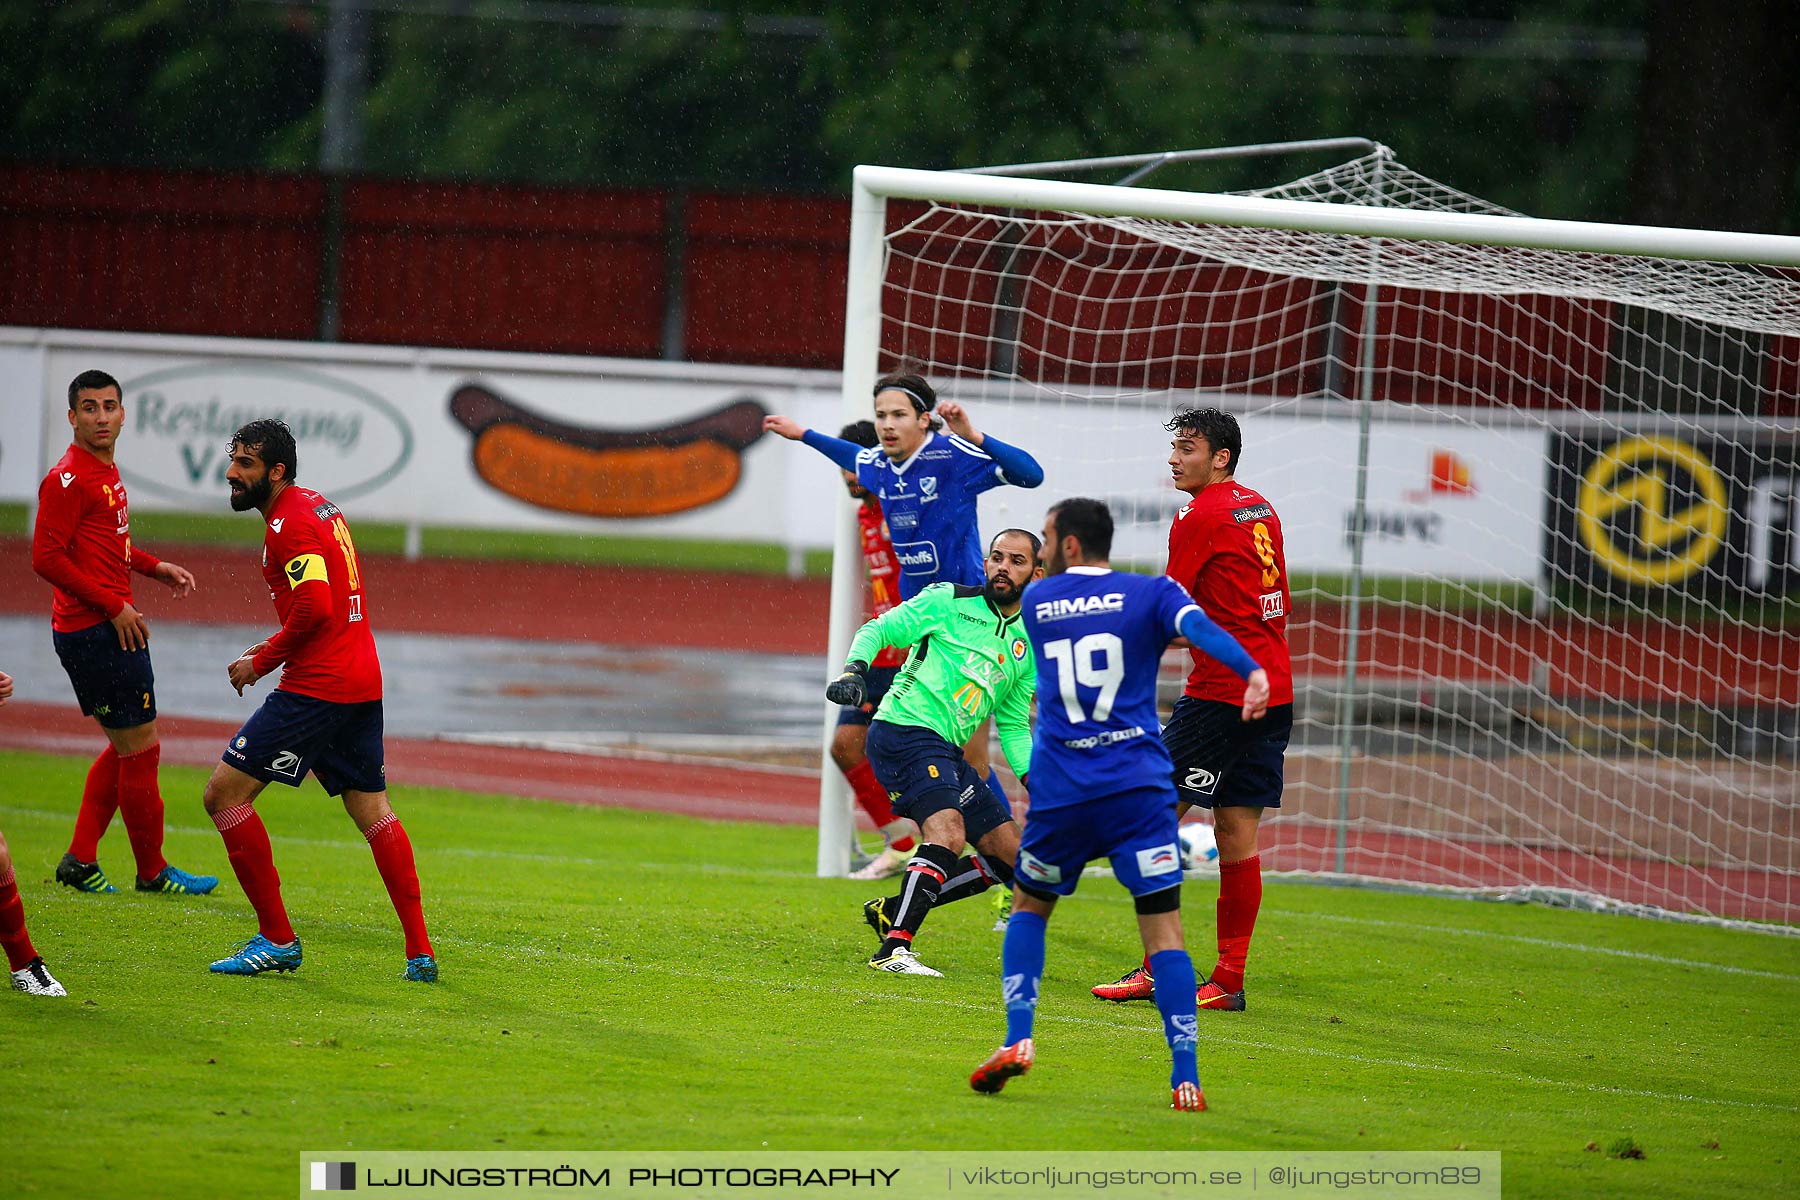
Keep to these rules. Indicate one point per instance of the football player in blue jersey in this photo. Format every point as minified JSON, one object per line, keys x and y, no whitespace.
{"x":930,"y":468}
{"x":1100,"y":776}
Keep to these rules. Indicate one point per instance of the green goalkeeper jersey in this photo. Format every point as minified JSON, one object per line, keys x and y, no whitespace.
{"x":967,"y":662}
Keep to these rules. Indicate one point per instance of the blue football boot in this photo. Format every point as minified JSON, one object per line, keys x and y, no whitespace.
{"x":177,"y":882}
{"x":422,"y":969}
{"x":258,"y":955}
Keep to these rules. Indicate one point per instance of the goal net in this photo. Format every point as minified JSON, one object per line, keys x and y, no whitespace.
{"x":1538,"y":483}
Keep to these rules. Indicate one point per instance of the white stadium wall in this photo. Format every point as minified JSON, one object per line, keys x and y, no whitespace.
{"x":376,"y":429}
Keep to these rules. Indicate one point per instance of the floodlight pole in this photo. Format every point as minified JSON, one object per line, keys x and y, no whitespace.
{"x":862,"y":344}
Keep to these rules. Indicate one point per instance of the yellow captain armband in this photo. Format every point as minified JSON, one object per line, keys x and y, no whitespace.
{"x":303,"y":567}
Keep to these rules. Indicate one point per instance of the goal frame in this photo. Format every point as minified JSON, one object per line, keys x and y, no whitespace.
{"x":874,"y":186}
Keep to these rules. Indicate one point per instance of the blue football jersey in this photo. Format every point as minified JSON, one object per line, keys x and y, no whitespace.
{"x":929,"y":503}
{"x":1099,"y":637}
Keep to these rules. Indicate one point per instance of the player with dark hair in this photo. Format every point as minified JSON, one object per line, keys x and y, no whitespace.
{"x":29,"y":974}
{"x":1226,"y":549}
{"x":853,"y":722}
{"x":1102,"y":777}
{"x":325,"y":715}
{"x":969,"y":660}
{"x":927,"y":481}
{"x":81,"y":545}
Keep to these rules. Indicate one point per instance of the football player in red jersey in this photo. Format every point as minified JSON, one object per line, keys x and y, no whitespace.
{"x":29,"y":974}
{"x":1226,"y":549}
{"x":81,"y":545}
{"x":853,"y":723}
{"x":325,"y":714}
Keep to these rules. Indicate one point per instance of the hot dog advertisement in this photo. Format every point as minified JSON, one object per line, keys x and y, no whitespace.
{"x":438,"y":438}
{"x":445,"y":438}
{"x":600,"y":471}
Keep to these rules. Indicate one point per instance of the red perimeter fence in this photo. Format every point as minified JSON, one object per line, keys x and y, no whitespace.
{"x":713,"y":277}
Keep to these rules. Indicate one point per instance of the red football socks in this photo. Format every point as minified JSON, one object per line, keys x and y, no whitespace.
{"x":1240,"y":895}
{"x":873,"y":799}
{"x":252,"y":860}
{"x":99,"y":799}
{"x":19,"y":950}
{"x":141,"y":805}
{"x":394,"y":859}
{"x":869,"y":793}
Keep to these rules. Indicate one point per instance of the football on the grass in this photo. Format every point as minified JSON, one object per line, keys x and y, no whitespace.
{"x":1199,"y":848}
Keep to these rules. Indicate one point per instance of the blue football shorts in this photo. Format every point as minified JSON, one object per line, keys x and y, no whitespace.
{"x":924,"y":774}
{"x":116,"y":687}
{"x":1223,"y":761}
{"x":1135,"y":830}
{"x":291,"y":734}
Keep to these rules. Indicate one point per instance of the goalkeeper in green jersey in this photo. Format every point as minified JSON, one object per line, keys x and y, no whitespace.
{"x":969,"y":660}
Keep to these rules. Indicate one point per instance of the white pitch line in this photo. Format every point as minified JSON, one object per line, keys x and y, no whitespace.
{"x":1227,"y":1041}
{"x":1544,"y":943}
{"x":767,"y":873}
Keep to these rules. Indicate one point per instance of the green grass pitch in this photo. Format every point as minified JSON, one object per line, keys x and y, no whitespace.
{"x":618,"y":980}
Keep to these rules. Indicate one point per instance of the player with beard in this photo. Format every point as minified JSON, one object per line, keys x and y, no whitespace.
{"x":81,"y":545}
{"x":930,"y":469}
{"x":969,"y":660}
{"x":324,"y":716}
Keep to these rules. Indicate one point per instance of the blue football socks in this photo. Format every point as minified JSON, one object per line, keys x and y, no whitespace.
{"x":1173,"y":971}
{"x":1022,"y":967}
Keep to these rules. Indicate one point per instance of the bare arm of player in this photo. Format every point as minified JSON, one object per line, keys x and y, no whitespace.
{"x":133,"y":630}
{"x":956,"y":419}
{"x":1256,"y":695}
{"x":5,"y":687}
{"x":180,"y":580}
{"x":242,"y":672}
{"x":785,"y":427}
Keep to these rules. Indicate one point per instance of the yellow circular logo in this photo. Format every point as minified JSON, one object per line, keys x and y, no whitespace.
{"x":1652,"y":510}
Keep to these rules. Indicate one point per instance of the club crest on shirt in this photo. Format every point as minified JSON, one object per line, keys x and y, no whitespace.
{"x":1019,"y":649}
{"x":928,"y":485}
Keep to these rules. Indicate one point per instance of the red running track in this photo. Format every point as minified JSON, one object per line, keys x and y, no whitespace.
{"x":1631,"y":660}
{"x":716,"y":793}
{"x":1642,"y":660}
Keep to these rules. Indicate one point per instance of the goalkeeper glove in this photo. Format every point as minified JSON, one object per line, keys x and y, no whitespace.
{"x":849,"y":688}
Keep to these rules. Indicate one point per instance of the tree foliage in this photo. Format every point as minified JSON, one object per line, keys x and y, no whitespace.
{"x":1541,"y":105}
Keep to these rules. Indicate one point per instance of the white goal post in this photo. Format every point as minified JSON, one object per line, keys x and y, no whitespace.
{"x":1452,"y":736}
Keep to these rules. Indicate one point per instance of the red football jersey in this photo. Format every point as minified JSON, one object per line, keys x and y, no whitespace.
{"x":82,"y":541}
{"x":316,"y":583}
{"x":1225,"y":548}
{"x":884,"y":573}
